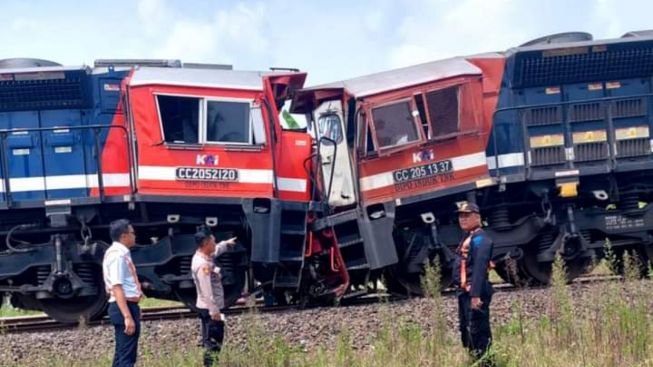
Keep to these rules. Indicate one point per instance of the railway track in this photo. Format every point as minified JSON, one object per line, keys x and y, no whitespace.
{"x":45,"y":323}
{"x":26,"y":324}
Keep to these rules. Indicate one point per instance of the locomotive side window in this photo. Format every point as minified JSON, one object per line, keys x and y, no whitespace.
{"x":228,"y":122}
{"x":394,"y":124}
{"x":179,"y":119}
{"x":443,"y":111}
{"x":195,"y":120}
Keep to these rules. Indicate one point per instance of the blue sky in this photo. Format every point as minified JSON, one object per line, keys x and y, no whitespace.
{"x":332,"y":40}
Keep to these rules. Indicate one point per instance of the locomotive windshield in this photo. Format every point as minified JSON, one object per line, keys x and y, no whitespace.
{"x":228,"y":122}
{"x":329,"y":127}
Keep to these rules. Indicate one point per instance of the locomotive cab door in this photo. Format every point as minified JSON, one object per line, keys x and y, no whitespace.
{"x":337,"y":177}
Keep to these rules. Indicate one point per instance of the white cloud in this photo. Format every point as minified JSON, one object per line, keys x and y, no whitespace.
{"x":221,"y":36}
{"x":242,"y":27}
{"x":613,"y":19}
{"x":331,"y":41}
{"x":22,"y":25}
{"x":189,"y":41}
{"x":374,"y":20}
{"x":436,"y":30}
{"x":153,"y":15}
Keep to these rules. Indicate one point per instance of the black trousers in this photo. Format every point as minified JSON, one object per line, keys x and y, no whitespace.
{"x":475,"y":331}
{"x":212,"y":336}
{"x":126,"y":345}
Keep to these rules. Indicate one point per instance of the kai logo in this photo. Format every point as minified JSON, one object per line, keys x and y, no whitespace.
{"x":424,"y":155}
{"x":207,"y":159}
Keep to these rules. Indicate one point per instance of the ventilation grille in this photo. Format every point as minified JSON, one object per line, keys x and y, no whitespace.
{"x":586,"y":112}
{"x":629,"y":108}
{"x":41,"y":94}
{"x":587,"y":152}
{"x":583,"y":63}
{"x":543,"y":116}
{"x":633,"y":147}
{"x":547,"y":156}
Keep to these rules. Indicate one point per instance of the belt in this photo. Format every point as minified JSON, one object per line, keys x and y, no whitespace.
{"x":133,"y":299}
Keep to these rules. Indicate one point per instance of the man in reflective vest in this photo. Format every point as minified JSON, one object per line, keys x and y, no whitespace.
{"x":470,"y":275}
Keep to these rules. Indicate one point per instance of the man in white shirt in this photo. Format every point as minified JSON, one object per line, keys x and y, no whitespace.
{"x":124,"y":289}
{"x":210,"y":295}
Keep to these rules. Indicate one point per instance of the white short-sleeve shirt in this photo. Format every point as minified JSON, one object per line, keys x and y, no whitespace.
{"x":116,"y":270}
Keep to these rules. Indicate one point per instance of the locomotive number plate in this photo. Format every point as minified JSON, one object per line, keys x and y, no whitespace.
{"x":206,"y":174}
{"x":423,"y":171}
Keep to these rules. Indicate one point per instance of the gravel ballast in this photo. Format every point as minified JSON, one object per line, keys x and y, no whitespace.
{"x":309,"y":329}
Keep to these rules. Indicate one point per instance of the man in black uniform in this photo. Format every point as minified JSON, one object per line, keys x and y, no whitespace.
{"x":470,"y":274}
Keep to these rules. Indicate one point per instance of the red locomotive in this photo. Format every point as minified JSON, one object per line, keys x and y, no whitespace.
{"x":170,"y":147}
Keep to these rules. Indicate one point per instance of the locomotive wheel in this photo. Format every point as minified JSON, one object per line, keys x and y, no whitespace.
{"x":232,"y":291}
{"x":24,"y":302}
{"x":414,"y":250}
{"x":512,"y":273}
{"x":77,"y":309}
{"x":541,"y":272}
{"x":397,"y":281}
{"x":402,"y":284}
{"x":187,"y":296}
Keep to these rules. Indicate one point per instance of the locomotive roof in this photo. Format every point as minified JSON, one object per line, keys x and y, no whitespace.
{"x":42,"y":69}
{"x":579,"y":62}
{"x":404,"y":77}
{"x":630,"y":37}
{"x":212,"y":78}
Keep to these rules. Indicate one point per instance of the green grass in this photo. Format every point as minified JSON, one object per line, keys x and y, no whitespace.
{"x":155,"y":302}
{"x":612,"y":327}
{"x":602,"y":268}
{"x":495,"y":278}
{"x":614,"y":330}
{"x":8,"y":311}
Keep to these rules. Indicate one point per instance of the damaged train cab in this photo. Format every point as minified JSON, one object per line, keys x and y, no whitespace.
{"x":394,"y":145}
{"x":170,"y":147}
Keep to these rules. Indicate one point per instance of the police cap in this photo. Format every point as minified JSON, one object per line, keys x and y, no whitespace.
{"x":467,"y":207}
